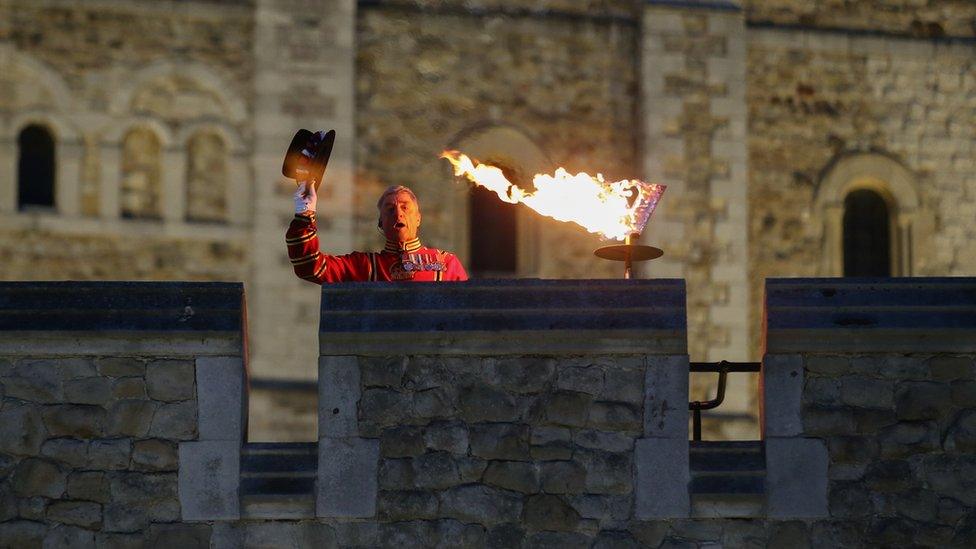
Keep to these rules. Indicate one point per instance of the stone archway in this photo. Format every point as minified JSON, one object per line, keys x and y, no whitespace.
{"x":896,"y":185}
{"x":513,"y":148}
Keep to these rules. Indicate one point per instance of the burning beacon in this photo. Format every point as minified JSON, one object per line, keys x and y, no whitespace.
{"x":615,"y":210}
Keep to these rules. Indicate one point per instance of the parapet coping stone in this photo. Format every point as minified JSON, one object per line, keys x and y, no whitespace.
{"x":506,"y":343}
{"x":505,"y":317}
{"x":168,"y":307}
{"x":168,"y":344}
{"x":884,"y":315}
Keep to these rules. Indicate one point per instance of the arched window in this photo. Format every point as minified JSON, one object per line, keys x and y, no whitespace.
{"x":206,"y":178}
{"x":874,"y":223}
{"x":493,"y":238}
{"x":141,"y":175}
{"x":867,"y":238}
{"x":35,"y":168}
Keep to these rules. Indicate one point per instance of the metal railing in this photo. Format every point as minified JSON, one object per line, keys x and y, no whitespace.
{"x":722,"y":369}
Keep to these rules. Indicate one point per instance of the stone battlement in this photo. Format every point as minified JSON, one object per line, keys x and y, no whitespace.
{"x":491,"y":413}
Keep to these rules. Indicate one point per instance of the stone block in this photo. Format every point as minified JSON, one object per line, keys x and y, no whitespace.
{"x":506,"y":441}
{"x":915,"y":400}
{"x":435,"y":471}
{"x":403,"y":441}
{"x":129,"y":387}
{"x":71,"y":420}
{"x":89,"y":390}
{"x":22,"y":430}
{"x":862,"y":392}
{"x":407,"y":505}
{"x":623,"y":385}
{"x":782,"y":387}
{"x":339,"y":394}
{"x":951,"y":368}
{"x":109,"y":454}
{"x":32,"y":508}
{"x":22,"y":533}
{"x":89,"y":486}
{"x":380,"y":371}
{"x":521,"y":375}
{"x":567,"y":408}
{"x":518,"y":476}
{"x":112,"y":540}
{"x":480,"y":504}
{"x":446,"y":437}
{"x":175,"y":421}
{"x":562,"y":477}
{"x":347,"y":477}
{"x":602,"y":440}
{"x":666,"y":397}
{"x":381,"y":407}
{"x":581,"y":379}
{"x":482,"y":403}
{"x":395,"y":474}
{"x":615,"y":416}
{"x":796,"y":478}
{"x":120,"y":366}
{"x":559,"y":540}
{"x":661,"y":485}
{"x":963,"y":393}
{"x":907,"y":438}
{"x":130,"y":417}
{"x":36,"y":381}
{"x":154,"y":455}
{"x":161,"y":536}
{"x":69,"y":451}
{"x":68,"y":537}
{"x":221,"y":401}
{"x":548,"y":512}
{"x":209,"y":479}
{"x":436,"y":403}
{"x":606,"y":473}
{"x":471,"y":469}
{"x":76,"y":513}
{"x":961,"y":435}
{"x":120,"y":517}
{"x":39,"y":477}
{"x":170,"y":380}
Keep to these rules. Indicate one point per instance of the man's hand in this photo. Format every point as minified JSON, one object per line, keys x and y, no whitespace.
{"x":305,"y":198}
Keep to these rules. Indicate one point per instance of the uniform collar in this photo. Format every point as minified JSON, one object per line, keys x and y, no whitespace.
{"x":396,"y":247}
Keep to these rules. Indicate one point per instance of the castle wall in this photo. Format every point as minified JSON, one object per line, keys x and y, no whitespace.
{"x":815,"y":98}
{"x":424,"y":81}
{"x":476,"y":430}
{"x":922,"y":19}
{"x":94,"y":424}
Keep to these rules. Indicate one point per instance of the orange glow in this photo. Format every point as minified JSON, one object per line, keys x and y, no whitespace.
{"x":613,"y":210}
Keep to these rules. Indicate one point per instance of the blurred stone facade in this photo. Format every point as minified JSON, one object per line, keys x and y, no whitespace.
{"x":170,"y":119}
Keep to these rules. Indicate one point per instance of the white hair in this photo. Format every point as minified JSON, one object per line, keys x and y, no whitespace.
{"x":394,"y":189}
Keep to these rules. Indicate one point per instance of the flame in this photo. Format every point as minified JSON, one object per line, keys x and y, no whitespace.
{"x":613,"y":210}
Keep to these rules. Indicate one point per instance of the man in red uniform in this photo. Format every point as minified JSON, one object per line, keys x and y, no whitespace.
{"x":403,"y":257}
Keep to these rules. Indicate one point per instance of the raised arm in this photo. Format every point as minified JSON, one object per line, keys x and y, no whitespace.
{"x":303,"y":247}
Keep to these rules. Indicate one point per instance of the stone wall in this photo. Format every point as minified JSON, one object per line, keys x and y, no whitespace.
{"x":425,"y":78}
{"x":92,"y":424}
{"x":519,"y":446}
{"x":817,"y":98}
{"x":881,"y":398}
{"x":901,"y":434}
{"x":90,"y":447}
{"x":457,"y":435}
{"x":917,"y":18}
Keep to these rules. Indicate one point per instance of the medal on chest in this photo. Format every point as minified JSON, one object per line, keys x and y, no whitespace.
{"x":411,"y":264}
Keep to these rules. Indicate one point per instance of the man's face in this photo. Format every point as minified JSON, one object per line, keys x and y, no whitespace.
{"x":400,"y":217}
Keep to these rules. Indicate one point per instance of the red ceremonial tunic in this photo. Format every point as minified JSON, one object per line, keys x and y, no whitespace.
{"x":410,"y":261}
